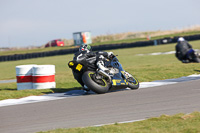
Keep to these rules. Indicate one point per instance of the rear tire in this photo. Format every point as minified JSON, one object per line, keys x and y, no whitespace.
{"x":99,"y":86}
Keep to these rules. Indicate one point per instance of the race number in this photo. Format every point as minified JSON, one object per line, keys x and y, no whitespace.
{"x":79,"y":67}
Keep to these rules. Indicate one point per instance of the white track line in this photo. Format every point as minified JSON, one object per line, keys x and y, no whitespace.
{"x":8,"y":81}
{"x":158,"y":53}
{"x":118,"y":123}
{"x":73,"y":93}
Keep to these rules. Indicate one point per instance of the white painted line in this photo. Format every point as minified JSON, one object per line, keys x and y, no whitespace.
{"x":158,"y":53}
{"x":30,"y":99}
{"x":169,"y":81}
{"x":153,"y":84}
{"x":118,"y":123}
{"x":8,"y":81}
{"x":73,"y":93}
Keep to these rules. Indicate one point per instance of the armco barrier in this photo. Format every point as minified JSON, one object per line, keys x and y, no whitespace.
{"x":100,"y":47}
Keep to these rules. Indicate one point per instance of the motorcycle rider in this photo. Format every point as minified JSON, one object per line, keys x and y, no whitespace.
{"x":94,"y":61}
{"x":184,"y":51}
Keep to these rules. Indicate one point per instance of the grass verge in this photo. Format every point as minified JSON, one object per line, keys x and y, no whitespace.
{"x":179,"y":123}
{"x":144,"y":68}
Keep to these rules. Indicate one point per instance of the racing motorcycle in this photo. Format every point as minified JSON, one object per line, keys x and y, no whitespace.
{"x":100,"y":81}
{"x":196,"y":56}
{"x":192,"y":56}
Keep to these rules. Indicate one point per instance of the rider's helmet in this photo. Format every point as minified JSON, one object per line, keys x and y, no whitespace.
{"x":85,"y":47}
{"x":180,"y":39}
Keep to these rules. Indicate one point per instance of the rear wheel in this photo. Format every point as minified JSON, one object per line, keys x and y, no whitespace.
{"x":96,"y":82}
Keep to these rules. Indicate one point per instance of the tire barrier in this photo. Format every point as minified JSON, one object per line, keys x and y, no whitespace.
{"x":43,"y":77}
{"x":99,"y":47}
{"x":35,"y":76}
{"x":24,"y":77}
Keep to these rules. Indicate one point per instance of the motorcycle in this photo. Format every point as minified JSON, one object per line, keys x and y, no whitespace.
{"x":102,"y":82}
{"x":196,"y":57}
{"x":192,"y":56}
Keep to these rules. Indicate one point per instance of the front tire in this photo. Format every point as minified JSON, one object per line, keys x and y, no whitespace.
{"x":99,"y":86}
{"x":133,"y":83}
{"x":197,"y":60}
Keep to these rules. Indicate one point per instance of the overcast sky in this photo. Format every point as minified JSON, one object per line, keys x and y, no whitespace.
{"x":35,"y":22}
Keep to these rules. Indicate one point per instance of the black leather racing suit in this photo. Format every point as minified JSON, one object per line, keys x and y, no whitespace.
{"x":181,"y":50}
{"x":91,"y":59}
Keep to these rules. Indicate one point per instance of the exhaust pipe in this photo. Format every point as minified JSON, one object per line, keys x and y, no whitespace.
{"x":104,"y":74}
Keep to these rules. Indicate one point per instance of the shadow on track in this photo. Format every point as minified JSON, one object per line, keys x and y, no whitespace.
{"x":76,"y":92}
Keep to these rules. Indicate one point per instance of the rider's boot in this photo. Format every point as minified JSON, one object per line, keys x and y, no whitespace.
{"x":185,"y":61}
{"x":101,"y":66}
{"x":86,"y":89}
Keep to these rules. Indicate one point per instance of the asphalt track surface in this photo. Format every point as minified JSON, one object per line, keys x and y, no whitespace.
{"x":89,"y":110}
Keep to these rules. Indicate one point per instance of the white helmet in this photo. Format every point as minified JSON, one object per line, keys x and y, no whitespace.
{"x":181,"y":39}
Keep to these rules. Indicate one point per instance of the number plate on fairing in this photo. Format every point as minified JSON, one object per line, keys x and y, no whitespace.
{"x":79,"y":67}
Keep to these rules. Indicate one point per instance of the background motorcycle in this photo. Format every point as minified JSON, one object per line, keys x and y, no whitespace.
{"x":102,"y":82}
{"x":193,"y":56}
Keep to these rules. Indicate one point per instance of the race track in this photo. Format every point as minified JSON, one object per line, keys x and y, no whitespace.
{"x":89,"y":110}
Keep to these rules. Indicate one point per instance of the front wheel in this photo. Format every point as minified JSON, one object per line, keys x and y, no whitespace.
{"x":133,"y":83}
{"x":96,"y":83}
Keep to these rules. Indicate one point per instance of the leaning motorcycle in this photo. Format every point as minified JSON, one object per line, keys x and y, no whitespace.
{"x":193,"y":56}
{"x":100,"y":81}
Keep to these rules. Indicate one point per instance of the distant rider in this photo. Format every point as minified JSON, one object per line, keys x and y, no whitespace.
{"x":94,"y":60}
{"x":184,"y":51}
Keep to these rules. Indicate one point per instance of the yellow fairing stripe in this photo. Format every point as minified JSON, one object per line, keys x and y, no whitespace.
{"x":114,"y":82}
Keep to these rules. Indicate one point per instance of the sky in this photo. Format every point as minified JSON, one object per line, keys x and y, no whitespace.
{"x":25,"y":23}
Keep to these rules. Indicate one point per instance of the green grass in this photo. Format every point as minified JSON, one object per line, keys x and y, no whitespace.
{"x":179,"y":123}
{"x":144,"y":68}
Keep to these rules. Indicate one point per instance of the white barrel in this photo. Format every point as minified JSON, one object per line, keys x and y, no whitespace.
{"x":46,"y":85}
{"x":43,"y":76}
{"x":24,"y":76}
{"x":24,"y":69}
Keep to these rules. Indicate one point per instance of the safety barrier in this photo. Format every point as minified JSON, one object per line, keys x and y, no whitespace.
{"x":44,"y":77}
{"x":24,"y":77}
{"x":99,"y":47}
{"x":35,"y":76}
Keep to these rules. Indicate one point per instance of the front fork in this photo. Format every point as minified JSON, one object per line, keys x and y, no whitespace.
{"x":126,"y":74}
